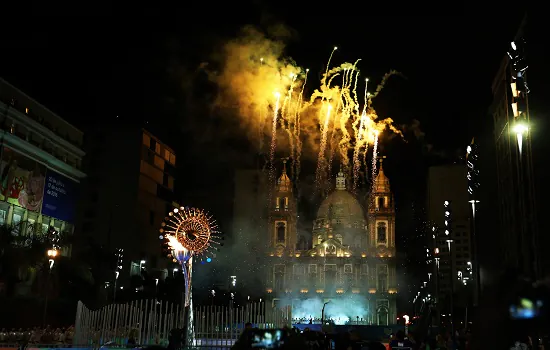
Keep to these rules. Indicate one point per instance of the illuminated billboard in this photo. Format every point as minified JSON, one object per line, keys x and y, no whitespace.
{"x":21,"y":180}
{"x":28,"y":184}
{"x":58,"y":197}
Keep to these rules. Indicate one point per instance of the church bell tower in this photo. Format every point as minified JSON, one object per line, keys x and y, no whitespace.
{"x":283,"y":217}
{"x":381,"y":248}
{"x":382,"y":216}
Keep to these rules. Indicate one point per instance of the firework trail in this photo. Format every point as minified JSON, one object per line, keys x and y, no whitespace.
{"x":296,"y":160}
{"x":262,"y":119}
{"x":332,"y":114}
{"x":272,"y":148}
{"x":360,"y":139}
{"x":359,"y":142}
{"x":319,"y":178}
{"x":322,"y":146}
{"x":374,"y":159}
{"x":288,"y":115}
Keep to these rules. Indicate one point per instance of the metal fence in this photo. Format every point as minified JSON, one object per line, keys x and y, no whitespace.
{"x":149,"y":322}
{"x":220,"y":326}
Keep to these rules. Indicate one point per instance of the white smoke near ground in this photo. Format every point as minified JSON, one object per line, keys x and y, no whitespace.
{"x":339,"y":310}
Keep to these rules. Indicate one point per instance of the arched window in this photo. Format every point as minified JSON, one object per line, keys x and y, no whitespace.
{"x":281,"y":232}
{"x":339,"y":238}
{"x":381,"y":232}
{"x":380,"y":202}
{"x":383,"y":316}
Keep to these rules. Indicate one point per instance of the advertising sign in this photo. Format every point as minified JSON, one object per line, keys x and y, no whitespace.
{"x":58,"y":197}
{"x":21,"y":180}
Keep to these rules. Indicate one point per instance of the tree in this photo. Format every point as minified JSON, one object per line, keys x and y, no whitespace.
{"x":22,"y":257}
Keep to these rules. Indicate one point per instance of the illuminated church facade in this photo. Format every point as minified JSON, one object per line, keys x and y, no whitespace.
{"x":352,"y":257}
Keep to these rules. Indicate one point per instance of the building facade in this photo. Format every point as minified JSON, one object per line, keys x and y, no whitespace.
{"x":41,"y":166}
{"x":512,"y":137}
{"x":351,"y":264}
{"x":129,"y":191}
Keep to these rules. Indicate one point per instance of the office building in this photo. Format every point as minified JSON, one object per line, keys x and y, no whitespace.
{"x":41,"y":166}
{"x":129,"y":191}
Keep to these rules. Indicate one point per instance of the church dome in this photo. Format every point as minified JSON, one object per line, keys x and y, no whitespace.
{"x":341,"y":206}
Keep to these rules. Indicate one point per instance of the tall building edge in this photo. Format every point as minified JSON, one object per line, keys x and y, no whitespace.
{"x":129,"y":191}
{"x":513,"y":151}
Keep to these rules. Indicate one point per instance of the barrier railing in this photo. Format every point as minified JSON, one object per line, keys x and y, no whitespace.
{"x":149,"y":322}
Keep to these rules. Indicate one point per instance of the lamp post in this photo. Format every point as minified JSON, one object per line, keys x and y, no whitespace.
{"x":323,"y":313}
{"x":118,"y":269}
{"x":473,"y":184}
{"x":116,"y":280}
{"x":52,"y":255}
{"x":449,"y":240}
{"x":436,"y":284}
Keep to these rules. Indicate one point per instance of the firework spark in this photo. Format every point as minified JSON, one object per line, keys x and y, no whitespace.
{"x":331,"y":120}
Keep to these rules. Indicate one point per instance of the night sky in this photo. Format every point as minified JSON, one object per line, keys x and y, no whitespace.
{"x":147,"y":70}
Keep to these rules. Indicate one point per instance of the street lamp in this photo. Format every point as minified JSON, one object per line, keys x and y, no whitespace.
{"x":520,"y":129}
{"x":323,"y":313}
{"x":52,"y":255}
{"x":117,"y":274}
{"x":449,"y":240}
{"x":473,"y":185}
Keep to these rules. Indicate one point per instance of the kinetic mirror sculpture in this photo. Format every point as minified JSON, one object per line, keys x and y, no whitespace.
{"x":190,"y":233}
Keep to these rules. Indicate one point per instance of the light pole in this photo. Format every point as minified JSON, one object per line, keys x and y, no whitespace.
{"x":473,"y":184}
{"x":116,"y":280}
{"x":323,"y":313}
{"x":449,"y":240}
{"x":120,"y":257}
{"x":52,"y":254}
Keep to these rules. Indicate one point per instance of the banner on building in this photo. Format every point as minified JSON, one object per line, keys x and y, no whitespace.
{"x":58,"y":199}
{"x":21,"y":180}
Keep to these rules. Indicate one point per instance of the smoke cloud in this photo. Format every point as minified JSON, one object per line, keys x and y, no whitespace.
{"x":340,"y":311}
{"x":249,"y":70}
{"x":415,"y":129}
